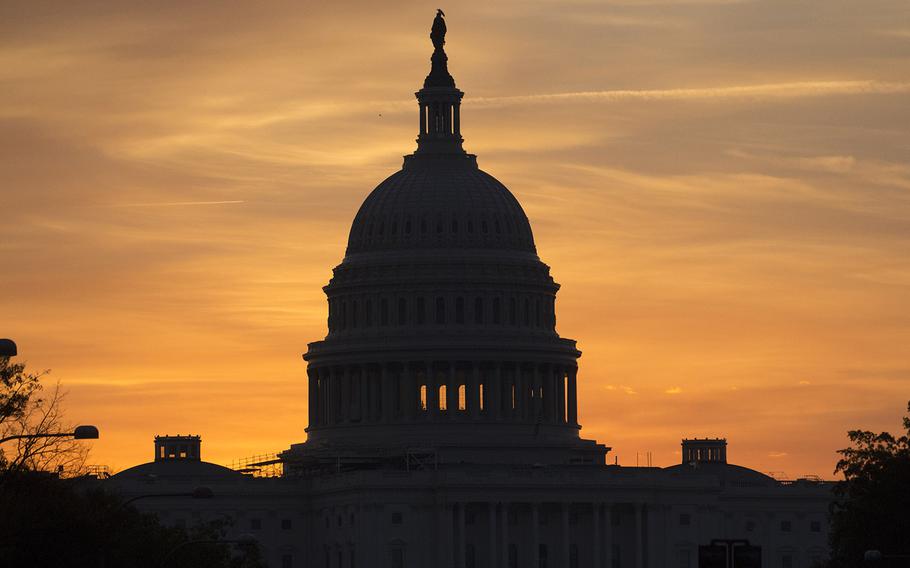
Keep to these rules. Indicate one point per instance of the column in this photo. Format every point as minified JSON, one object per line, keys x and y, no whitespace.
{"x":494,"y":387}
{"x":452,"y":392}
{"x":457,"y":114}
{"x":636,"y":539}
{"x":504,"y":549}
{"x":595,"y":535}
{"x":364,"y":394}
{"x":535,"y":535}
{"x":566,"y":543}
{"x":432,"y":393}
{"x":423,"y":119}
{"x":459,"y":536}
{"x":572,"y":401}
{"x":406,"y":391}
{"x":491,"y":521}
{"x":560,"y":395}
{"x":387,"y":393}
{"x":472,"y":390}
{"x":312,"y":397}
{"x":608,"y":535}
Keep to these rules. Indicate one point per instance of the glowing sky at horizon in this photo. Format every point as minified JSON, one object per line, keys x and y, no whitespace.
{"x":721,"y":187}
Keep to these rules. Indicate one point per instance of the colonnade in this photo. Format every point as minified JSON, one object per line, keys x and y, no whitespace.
{"x":442,"y":390}
{"x":560,"y":542}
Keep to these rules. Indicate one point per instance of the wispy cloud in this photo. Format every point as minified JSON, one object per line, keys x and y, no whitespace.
{"x":179,"y":203}
{"x":762,"y":91}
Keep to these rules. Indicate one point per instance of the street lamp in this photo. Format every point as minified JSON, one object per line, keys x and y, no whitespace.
{"x":84,"y":432}
{"x":245,"y":539}
{"x":7,"y":348}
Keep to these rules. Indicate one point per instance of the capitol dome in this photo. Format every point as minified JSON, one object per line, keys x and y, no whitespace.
{"x":442,"y":317}
{"x":440,"y":202}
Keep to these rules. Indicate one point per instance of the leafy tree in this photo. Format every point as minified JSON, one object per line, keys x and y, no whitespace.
{"x":872,"y":504}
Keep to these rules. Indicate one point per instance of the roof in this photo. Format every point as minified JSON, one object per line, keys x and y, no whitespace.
{"x":178,"y":468}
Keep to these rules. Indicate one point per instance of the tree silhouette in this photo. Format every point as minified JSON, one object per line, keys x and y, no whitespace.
{"x":872,"y":504}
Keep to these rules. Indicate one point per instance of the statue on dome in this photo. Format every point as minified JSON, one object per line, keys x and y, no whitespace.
{"x":438,"y":33}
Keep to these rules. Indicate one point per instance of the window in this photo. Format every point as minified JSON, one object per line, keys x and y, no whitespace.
{"x":287,"y":524}
{"x":684,"y":559}
{"x":536,"y":313}
{"x":497,"y":317}
{"x":461,"y":397}
{"x":354,"y":313}
{"x":513,"y":556}
{"x":396,"y":518}
{"x":339,"y":520}
{"x":685,"y":519}
{"x":750,"y":526}
{"x":440,"y":310}
{"x":469,"y":517}
{"x":423,"y":397}
{"x":384,"y":312}
{"x":573,"y":556}
{"x":351,"y":519}
{"x":786,"y":561}
{"x":368,"y":313}
{"x":470,"y":556}
{"x":616,"y":556}
{"x":421,"y":310}
{"x":287,"y":561}
{"x":443,"y":403}
{"x":815,"y":526}
{"x":478,"y":310}
{"x":512,"y":311}
{"x":527,"y":319}
{"x":328,"y":558}
{"x":481,"y":396}
{"x":513,"y":517}
{"x":459,"y":310}
{"x":786,"y":526}
{"x":542,"y":555}
{"x":326,"y":522}
{"x":396,"y":558}
{"x":255,"y":524}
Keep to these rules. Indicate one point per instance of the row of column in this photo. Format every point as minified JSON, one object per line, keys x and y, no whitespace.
{"x":440,"y":118}
{"x":507,"y":550}
{"x":387,"y":392}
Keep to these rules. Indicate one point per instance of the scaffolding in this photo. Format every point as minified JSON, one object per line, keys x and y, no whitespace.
{"x":262,"y":465}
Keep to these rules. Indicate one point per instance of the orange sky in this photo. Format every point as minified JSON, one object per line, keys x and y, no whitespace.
{"x":721,"y":187}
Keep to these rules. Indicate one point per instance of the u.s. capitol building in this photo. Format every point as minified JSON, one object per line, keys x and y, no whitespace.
{"x":443,"y":404}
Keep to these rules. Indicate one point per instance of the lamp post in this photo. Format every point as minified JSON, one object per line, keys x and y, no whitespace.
{"x":84,"y":432}
{"x":7,"y":348}
{"x":242,"y":540}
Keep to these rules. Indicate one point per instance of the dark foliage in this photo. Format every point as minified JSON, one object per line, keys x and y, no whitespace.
{"x":51,"y":522}
{"x":872,"y":503}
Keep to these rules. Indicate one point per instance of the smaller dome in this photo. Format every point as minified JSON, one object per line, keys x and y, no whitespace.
{"x":169,"y":469}
{"x":440,"y":202}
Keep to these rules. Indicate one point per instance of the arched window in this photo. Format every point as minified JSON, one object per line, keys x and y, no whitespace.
{"x":459,"y":310}
{"x":423,"y":398}
{"x":462,"y":398}
{"x":514,"y":398}
{"x":478,"y":310}
{"x":443,"y":403}
{"x":440,"y":310}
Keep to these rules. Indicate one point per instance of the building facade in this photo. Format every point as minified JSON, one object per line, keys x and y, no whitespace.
{"x":443,"y":425}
